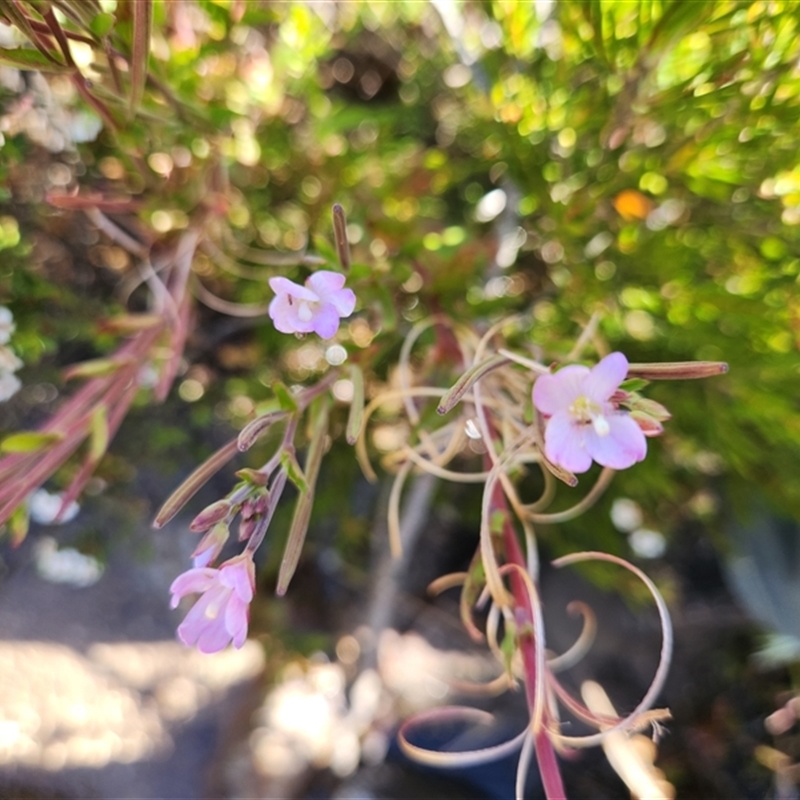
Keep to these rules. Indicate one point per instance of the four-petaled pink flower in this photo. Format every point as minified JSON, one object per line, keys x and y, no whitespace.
{"x":223,"y":611}
{"x":316,"y":307}
{"x":584,"y":424}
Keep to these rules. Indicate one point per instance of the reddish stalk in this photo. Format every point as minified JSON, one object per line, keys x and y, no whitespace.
{"x":545,"y":754}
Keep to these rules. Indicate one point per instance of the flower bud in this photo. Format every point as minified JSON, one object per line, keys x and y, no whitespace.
{"x":210,"y":515}
{"x":211,"y":545}
{"x":649,"y":425}
{"x":252,"y":511}
{"x":620,"y":396}
{"x":650,"y":407}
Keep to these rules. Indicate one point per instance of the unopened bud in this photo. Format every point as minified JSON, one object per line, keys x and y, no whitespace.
{"x":649,"y":425}
{"x":252,"y":511}
{"x":210,"y":515}
{"x":211,"y":545}
{"x":651,"y":408}
{"x":254,"y":476}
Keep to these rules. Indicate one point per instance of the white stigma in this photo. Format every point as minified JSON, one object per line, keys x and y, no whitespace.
{"x":600,"y":425}
{"x":304,"y":312}
{"x":586,"y":411}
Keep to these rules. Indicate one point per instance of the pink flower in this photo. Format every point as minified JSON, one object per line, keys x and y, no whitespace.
{"x":584,"y":424}
{"x":316,"y":307}
{"x":222,"y":612}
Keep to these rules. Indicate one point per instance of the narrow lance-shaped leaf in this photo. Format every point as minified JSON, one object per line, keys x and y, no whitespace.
{"x":284,"y":397}
{"x":340,"y":236}
{"x":99,"y":434}
{"x":19,"y":523}
{"x":192,"y":484}
{"x":467,"y":381}
{"x":140,"y":51}
{"x":356,"y":415}
{"x":29,"y":441}
{"x":294,"y":471}
{"x":30,"y":59}
{"x":96,"y":368}
{"x":302,"y":511}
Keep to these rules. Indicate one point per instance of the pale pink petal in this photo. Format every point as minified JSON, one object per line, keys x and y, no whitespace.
{"x":236,"y":618}
{"x":193,"y":581}
{"x":344,"y":301}
{"x":325,"y":283}
{"x":197,"y":620}
{"x":563,"y":443}
{"x":605,"y":377}
{"x":205,"y":556}
{"x":280,"y":312}
{"x":325,"y":321}
{"x":285,"y":317}
{"x":221,"y":613}
{"x":557,"y":392}
{"x":214,"y":637}
{"x":240,"y":577}
{"x":283,"y":286}
{"x":622,"y":447}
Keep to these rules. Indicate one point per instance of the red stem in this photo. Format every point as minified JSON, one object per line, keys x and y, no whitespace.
{"x":545,"y":754}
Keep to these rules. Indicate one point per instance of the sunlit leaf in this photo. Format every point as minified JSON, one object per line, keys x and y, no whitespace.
{"x":28,"y":441}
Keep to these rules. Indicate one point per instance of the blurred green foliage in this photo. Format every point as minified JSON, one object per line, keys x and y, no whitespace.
{"x":633,"y":159}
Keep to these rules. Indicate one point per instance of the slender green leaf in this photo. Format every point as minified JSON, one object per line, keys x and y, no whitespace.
{"x":18,"y":524}
{"x":99,"y":435}
{"x":284,"y":397}
{"x":28,"y":441}
{"x":294,"y":471}
{"x":32,"y":60}
{"x":96,"y":368}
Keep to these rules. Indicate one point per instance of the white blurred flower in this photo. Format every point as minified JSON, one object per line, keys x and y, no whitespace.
{"x":8,"y":361}
{"x":647,"y":543}
{"x":67,"y":565}
{"x":6,"y":324}
{"x":9,"y":385}
{"x":626,"y":514}
{"x":44,"y":506}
